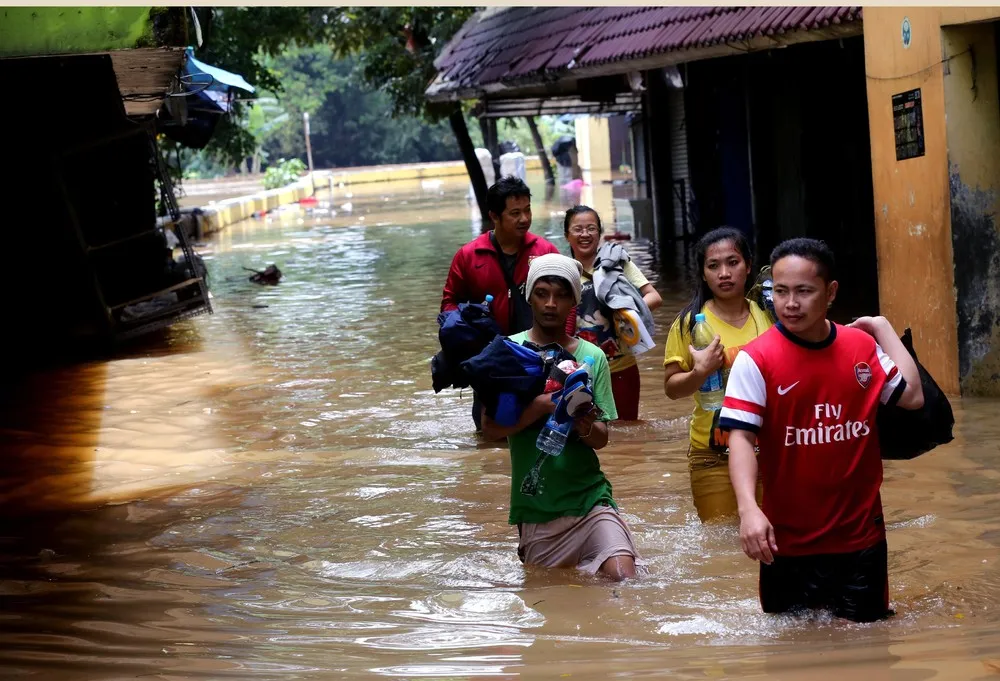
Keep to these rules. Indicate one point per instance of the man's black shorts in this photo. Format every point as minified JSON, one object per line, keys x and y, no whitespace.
{"x":854,"y":586}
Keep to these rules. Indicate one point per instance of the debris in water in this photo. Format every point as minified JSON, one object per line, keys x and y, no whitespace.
{"x":271,"y":275}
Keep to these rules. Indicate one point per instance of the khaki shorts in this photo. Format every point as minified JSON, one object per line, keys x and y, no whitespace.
{"x":580,"y":542}
{"x":711,"y":488}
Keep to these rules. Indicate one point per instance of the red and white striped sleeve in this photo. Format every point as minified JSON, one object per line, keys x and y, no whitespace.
{"x":895,"y":384}
{"x":746,"y":396}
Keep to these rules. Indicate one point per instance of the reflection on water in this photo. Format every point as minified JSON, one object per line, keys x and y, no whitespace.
{"x":276,"y":492}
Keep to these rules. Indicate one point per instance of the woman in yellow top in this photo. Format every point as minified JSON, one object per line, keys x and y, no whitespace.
{"x":593,"y":322}
{"x":724,"y":262}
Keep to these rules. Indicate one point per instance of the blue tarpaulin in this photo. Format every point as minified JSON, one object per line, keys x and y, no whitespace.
{"x":208,"y":95}
{"x":201,"y":74}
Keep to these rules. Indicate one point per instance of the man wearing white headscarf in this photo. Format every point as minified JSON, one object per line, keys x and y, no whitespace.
{"x":569,"y":518}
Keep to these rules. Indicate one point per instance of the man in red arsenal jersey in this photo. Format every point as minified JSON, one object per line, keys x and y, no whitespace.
{"x":807,"y":392}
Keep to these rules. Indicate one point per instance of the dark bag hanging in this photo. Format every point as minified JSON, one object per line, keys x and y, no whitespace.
{"x":905,"y":433}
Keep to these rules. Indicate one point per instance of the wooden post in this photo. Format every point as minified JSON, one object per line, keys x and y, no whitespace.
{"x":488,"y":126}
{"x":475,"y":170}
{"x":536,"y":138}
{"x":484,"y":129}
{"x":309,"y":150}
{"x":658,"y":153}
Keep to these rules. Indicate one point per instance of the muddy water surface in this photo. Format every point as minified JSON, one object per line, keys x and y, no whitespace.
{"x":275,"y":492}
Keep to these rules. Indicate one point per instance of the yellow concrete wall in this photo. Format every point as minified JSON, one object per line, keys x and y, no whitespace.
{"x":973,"y":122}
{"x":936,"y":226}
{"x":593,"y":143}
{"x":951,"y":16}
{"x":415,"y":171}
{"x":221,"y":214}
{"x":912,"y":202}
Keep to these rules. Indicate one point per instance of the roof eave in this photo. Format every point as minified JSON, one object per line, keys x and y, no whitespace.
{"x":440,"y":92}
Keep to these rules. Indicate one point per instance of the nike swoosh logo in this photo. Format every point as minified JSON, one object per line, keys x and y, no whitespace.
{"x":480,"y":264}
{"x":784,"y":391}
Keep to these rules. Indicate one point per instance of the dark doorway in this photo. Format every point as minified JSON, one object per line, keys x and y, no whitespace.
{"x":811,"y":158}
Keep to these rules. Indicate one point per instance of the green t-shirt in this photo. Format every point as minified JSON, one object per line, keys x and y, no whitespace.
{"x":572,"y":483}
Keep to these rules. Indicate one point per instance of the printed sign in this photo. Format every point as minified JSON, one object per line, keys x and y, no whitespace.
{"x":908,"y":121}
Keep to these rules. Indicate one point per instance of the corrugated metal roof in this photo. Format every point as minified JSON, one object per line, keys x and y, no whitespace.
{"x":523,"y":45}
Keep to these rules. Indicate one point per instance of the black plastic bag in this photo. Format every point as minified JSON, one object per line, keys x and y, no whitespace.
{"x":906,"y":434}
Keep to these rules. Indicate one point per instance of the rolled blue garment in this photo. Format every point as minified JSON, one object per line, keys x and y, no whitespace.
{"x":507,"y":410}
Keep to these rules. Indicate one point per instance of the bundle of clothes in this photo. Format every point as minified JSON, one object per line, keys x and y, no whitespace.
{"x":505,"y":375}
{"x":632,"y":318}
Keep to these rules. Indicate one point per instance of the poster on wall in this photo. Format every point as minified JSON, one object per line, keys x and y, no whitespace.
{"x":908,"y":120}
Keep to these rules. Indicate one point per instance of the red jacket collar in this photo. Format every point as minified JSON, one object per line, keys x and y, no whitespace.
{"x":483,"y":242}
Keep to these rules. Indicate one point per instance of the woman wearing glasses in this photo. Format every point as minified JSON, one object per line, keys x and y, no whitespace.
{"x":592,"y":321}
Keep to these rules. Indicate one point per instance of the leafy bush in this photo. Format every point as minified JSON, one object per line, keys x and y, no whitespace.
{"x":285,"y":172}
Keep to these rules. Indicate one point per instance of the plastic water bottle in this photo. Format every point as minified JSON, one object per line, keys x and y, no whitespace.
{"x":711,"y":390}
{"x":552,"y":438}
{"x":489,"y":299}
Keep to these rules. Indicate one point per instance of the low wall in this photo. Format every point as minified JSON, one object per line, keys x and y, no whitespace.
{"x":221,"y":214}
{"x":410,"y":171}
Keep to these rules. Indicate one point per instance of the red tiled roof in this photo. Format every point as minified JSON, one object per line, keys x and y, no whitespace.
{"x":518,"y":45}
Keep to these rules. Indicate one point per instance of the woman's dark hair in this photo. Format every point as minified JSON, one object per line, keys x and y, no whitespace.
{"x":580,"y":210}
{"x":703,"y":293}
{"x":812,"y":250}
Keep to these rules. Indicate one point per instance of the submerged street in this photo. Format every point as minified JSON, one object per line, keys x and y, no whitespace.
{"x":275,"y":491}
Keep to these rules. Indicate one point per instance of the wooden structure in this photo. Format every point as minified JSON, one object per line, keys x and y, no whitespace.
{"x":81,"y":198}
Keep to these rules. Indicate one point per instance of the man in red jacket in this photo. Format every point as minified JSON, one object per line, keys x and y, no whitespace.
{"x":496,"y":263}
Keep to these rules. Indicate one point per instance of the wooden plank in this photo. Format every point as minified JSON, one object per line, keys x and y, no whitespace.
{"x":145,"y":76}
{"x":170,"y":289}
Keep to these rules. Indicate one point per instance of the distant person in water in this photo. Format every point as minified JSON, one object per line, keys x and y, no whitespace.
{"x":572,"y":519}
{"x":808,"y":391}
{"x":593,"y":321}
{"x":496,"y":263}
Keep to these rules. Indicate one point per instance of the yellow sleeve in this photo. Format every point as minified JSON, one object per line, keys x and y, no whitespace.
{"x":634,"y":275}
{"x":677,"y":348}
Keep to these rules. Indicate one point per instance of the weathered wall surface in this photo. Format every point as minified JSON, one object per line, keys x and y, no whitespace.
{"x":936,"y":226}
{"x":973,"y":123}
{"x":912,"y":197}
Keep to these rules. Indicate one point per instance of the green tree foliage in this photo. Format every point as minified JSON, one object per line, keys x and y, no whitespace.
{"x":360,"y":73}
{"x":284,"y":173}
{"x":395,"y":48}
{"x":350,"y":122}
{"x":239,"y":39}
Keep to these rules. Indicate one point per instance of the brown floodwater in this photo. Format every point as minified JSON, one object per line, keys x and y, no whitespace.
{"x":275,"y":492}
